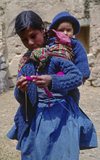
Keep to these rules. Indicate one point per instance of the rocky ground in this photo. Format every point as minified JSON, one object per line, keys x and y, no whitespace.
{"x":89,"y":102}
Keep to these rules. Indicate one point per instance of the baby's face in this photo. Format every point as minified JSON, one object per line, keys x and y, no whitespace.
{"x":66,"y":28}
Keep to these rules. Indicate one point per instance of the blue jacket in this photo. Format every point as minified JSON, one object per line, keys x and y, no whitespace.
{"x":80,"y":60}
{"x":71,"y":79}
{"x":80,"y":56}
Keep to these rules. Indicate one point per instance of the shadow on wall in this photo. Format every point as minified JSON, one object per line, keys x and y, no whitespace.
{"x":3,"y":81}
{"x":3,"y":74}
{"x":83,"y":37}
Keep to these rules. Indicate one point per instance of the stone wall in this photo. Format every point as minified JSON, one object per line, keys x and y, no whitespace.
{"x":3,"y":65}
{"x":95,"y":43}
{"x":11,"y":49}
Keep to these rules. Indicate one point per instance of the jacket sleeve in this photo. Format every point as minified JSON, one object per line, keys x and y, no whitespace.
{"x":19,"y":96}
{"x":29,"y":70}
{"x":71,"y":79}
{"x":80,"y":59}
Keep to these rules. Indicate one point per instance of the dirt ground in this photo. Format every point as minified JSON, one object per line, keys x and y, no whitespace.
{"x":89,"y":102}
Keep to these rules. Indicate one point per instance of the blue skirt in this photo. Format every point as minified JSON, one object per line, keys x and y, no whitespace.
{"x":57,"y":132}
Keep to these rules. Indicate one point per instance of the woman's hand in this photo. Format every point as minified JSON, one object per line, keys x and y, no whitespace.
{"x":42,"y":81}
{"x":22,"y":84}
{"x":84,"y":80}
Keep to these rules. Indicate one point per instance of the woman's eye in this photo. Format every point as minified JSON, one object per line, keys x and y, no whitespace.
{"x":33,"y":36}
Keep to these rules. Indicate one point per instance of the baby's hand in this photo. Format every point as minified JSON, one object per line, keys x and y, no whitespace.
{"x":42,"y":81}
{"x":22,"y":84}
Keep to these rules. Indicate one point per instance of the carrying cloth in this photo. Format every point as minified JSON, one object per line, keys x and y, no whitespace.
{"x":61,"y":49}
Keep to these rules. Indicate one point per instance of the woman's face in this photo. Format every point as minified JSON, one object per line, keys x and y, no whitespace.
{"x":32,"y":38}
{"x":66,"y":28}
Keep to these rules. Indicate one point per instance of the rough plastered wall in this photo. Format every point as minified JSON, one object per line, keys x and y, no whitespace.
{"x":95,"y":43}
{"x":86,"y":11}
{"x":3,"y":65}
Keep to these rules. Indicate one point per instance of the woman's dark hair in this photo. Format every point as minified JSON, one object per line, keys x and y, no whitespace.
{"x":26,"y":19}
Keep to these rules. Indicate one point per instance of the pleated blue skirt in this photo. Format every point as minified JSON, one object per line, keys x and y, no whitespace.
{"x":58,"y":132}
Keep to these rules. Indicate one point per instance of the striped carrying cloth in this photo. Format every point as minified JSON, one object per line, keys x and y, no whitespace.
{"x":42,"y":55}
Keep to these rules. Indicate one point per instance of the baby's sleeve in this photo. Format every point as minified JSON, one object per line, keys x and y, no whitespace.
{"x":80,"y":58}
{"x":71,"y":79}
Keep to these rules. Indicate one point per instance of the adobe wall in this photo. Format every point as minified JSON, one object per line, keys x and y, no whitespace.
{"x":11,"y":49}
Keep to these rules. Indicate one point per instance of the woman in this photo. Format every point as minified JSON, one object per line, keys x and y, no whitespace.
{"x":54,"y":123}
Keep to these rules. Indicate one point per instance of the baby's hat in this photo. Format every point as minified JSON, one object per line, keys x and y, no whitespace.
{"x":65,"y":17}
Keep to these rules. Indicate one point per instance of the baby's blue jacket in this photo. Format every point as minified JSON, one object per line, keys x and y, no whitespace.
{"x":80,"y":60}
{"x":80,"y":57}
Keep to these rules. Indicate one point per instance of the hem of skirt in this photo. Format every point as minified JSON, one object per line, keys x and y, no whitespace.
{"x":88,"y":147}
{"x":12,"y":138}
{"x":18,"y":148}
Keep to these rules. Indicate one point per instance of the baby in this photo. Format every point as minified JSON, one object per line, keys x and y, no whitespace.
{"x":69,"y":26}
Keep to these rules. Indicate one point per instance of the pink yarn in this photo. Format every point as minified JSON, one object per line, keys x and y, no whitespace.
{"x":30,"y":79}
{"x":49,"y":94}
